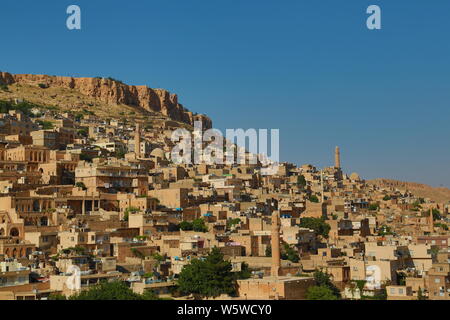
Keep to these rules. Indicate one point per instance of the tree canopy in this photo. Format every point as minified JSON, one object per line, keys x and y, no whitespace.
{"x":197,"y":225}
{"x":289,"y":253}
{"x":320,"y":293}
{"x":208,"y":277}
{"x":319,"y":225}
{"x":324,"y":288}
{"x":115,"y":290}
{"x":301,"y":181}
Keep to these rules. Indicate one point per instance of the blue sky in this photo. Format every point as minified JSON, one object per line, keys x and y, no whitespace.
{"x":310,"y":68}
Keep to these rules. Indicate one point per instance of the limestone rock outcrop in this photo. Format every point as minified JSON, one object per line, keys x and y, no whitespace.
{"x":111,"y":91}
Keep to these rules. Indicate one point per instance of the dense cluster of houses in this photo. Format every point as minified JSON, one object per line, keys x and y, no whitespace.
{"x":101,"y":194}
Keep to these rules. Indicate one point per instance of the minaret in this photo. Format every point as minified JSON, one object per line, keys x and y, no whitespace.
{"x":337,"y":158}
{"x":275,"y":243}
{"x":431,"y":221}
{"x":137,"y":141}
{"x":321,"y":184}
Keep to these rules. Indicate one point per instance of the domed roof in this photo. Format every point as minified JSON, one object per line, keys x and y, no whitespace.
{"x":157,"y":152}
{"x":354,"y":176}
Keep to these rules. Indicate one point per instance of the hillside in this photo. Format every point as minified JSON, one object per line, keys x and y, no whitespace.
{"x":418,"y":189}
{"x":104,"y":97}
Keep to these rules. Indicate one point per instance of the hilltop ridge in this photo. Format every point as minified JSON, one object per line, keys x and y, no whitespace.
{"x":100,"y":93}
{"x":440,"y":194}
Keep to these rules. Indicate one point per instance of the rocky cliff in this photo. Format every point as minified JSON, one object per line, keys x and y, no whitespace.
{"x":111,"y":91}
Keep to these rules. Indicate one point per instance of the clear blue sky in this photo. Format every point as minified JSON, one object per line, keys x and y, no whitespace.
{"x":310,"y":68}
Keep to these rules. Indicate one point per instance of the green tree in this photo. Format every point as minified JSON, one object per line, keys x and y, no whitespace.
{"x":57,"y":296}
{"x":46,"y":125}
{"x":127,"y":212}
{"x":158,"y":257}
{"x":319,"y":225}
{"x":198,"y":225}
{"x":373,"y":206}
{"x":313,"y":198}
{"x":120,"y":153}
{"x":436,"y":214}
{"x":186,"y":225}
{"x":420,"y":295}
{"x":83,"y":132}
{"x":150,"y":295}
{"x":290,"y":254}
{"x":382,"y":295}
{"x":416,"y":206}
{"x":360,"y":285}
{"x":208,"y":277}
{"x":232,"y":222}
{"x":441,"y":225}
{"x":86,"y":157}
{"x":245,"y":272}
{"x":115,"y":290}
{"x":137,"y":253}
{"x":401,"y":279}
{"x":301,"y":181}
{"x":80,"y":185}
{"x":323,"y":280}
{"x":25,"y":107}
{"x":320,"y":293}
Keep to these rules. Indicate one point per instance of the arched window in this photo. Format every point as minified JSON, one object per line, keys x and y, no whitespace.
{"x":36,"y":207}
{"x":14,"y":232}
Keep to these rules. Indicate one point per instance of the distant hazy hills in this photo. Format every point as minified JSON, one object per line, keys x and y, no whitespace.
{"x":421,"y":190}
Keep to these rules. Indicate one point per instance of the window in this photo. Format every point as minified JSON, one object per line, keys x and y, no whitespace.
{"x":437,"y":280}
{"x":400,"y":291}
{"x":392,"y":290}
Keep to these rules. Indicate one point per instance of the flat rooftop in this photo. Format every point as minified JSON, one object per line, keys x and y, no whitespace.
{"x":278,"y":279}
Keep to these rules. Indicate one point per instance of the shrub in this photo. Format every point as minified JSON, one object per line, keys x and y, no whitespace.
{"x":81,"y":185}
{"x":319,"y":225}
{"x":208,"y":277}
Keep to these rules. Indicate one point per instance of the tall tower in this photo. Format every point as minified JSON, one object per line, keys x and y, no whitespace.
{"x":337,"y":158}
{"x":137,"y":141}
{"x":322,"y":197}
{"x":275,"y":243}
{"x":431,"y":221}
